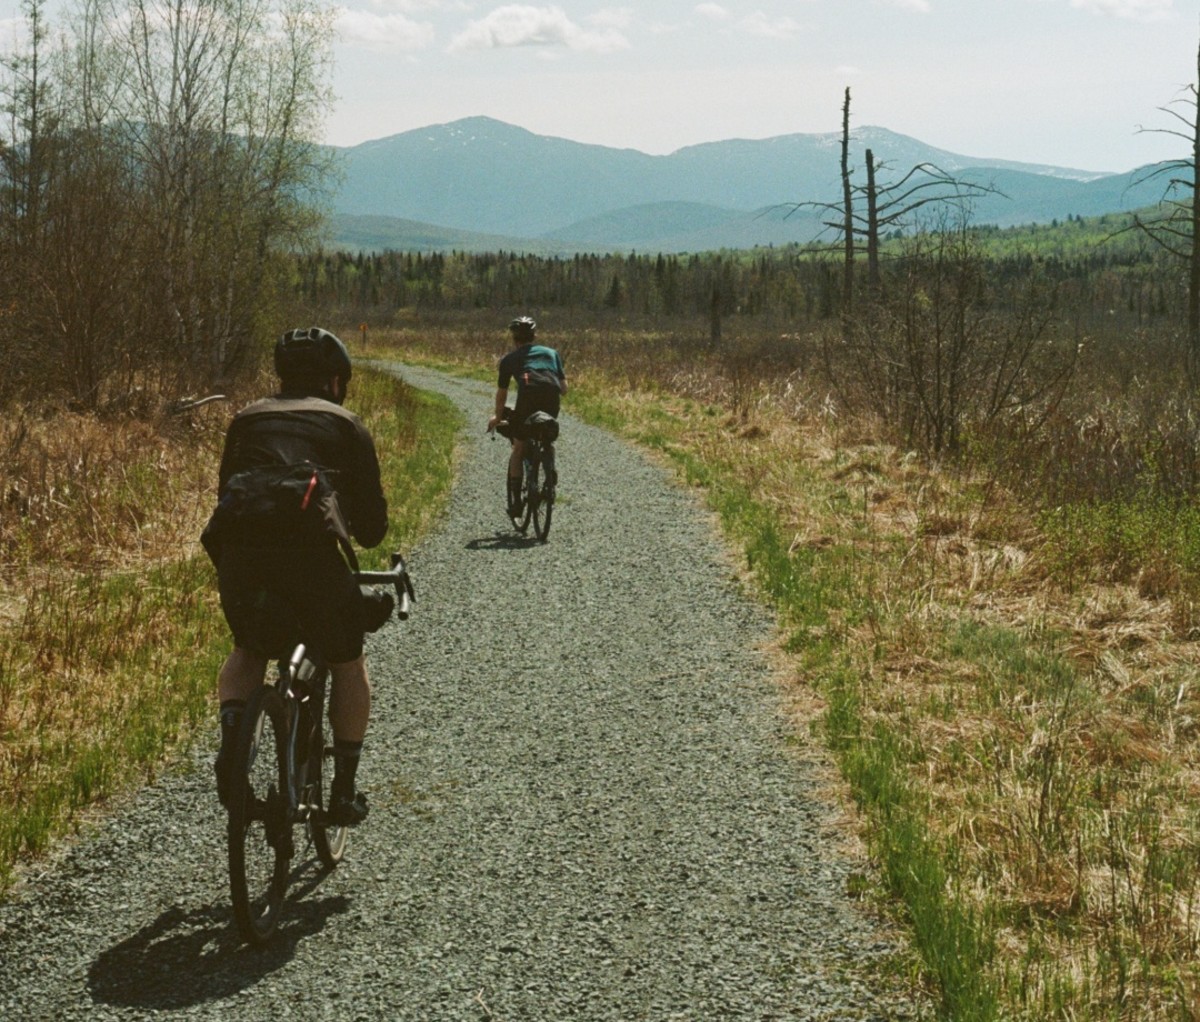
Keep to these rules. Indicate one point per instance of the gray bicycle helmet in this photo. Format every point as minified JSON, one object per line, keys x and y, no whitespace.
{"x":310,"y":357}
{"x":523,"y":326}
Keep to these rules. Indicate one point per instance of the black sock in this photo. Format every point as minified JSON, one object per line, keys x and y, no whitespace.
{"x":345,"y":766}
{"x":231,"y":719}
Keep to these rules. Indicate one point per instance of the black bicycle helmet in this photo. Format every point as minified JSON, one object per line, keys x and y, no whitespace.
{"x":311,"y":357}
{"x":523,"y":326}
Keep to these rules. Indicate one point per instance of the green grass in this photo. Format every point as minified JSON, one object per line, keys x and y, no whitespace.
{"x":1153,"y":540}
{"x":415,"y":435}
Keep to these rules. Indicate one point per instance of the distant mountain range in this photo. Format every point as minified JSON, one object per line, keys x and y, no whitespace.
{"x":482,"y":185}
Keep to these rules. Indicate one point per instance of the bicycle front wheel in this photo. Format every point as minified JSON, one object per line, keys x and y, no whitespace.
{"x":260,"y":831}
{"x":543,"y":504}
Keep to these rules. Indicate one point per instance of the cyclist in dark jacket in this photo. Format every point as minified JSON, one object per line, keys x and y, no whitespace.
{"x":541,"y":382}
{"x":280,"y":577}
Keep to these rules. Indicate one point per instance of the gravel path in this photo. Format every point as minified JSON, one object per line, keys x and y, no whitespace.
{"x":586,"y":805}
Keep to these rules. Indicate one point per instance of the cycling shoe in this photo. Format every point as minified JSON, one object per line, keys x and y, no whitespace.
{"x":347,"y":811}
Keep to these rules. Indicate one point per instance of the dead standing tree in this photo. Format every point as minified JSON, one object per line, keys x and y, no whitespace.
{"x":894,"y":206}
{"x":1177,"y":226}
{"x":847,"y":224}
{"x":941,"y":349}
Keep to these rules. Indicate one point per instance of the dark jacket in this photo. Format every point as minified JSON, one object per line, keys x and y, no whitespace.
{"x":286,"y":430}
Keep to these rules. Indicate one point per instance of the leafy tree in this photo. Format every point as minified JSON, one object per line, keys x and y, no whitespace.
{"x":152,"y":177}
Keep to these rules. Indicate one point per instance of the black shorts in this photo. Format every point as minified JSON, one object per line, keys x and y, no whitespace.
{"x":275,"y":597}
{"x":537,"y":399}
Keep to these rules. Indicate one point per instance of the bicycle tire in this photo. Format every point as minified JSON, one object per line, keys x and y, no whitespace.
{"x":259,"y":834}
{"x":328,"y":839}
{"x":543,"y":507}
{"x":521,"y":522}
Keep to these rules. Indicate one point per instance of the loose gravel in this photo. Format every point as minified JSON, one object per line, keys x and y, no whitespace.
{"x":587,"y":804}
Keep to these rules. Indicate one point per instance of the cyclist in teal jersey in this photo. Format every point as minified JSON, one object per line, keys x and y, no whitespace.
{"x":541,"y":383}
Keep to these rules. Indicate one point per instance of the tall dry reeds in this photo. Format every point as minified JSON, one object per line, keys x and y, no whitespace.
{"x":82,"y":490}
{"x":100,"y":588}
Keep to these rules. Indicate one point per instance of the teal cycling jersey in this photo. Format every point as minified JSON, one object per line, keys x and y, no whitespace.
{"x":530,"y":363}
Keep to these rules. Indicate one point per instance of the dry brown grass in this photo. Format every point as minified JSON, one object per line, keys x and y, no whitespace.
{"x":81,"y":490}
{"x":99,"y":584}
{"x":1065,"y":783}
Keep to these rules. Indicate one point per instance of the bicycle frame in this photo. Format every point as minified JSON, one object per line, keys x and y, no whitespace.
{"x":302,"y":680}
{"x":538,"y":454}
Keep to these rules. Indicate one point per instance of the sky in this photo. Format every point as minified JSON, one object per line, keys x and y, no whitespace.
{"x":1082,"y":84}
{"x":1071,"y":83}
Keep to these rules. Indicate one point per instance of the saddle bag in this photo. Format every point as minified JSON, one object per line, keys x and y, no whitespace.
{"x":275,"y":505}
{"x":542,"y":426}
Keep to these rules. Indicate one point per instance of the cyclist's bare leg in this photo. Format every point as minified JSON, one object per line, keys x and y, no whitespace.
{"x":349,"y":700}
{"x":240,"y":675}
{"x":515,"y":459}
{"x":515,"y":472}
{"x":349,"y":709}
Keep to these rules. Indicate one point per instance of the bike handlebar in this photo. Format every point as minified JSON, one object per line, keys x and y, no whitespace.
{"x":398,"y":576}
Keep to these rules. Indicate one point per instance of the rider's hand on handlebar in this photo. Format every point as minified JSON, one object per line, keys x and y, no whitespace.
{"x":492,"y":423}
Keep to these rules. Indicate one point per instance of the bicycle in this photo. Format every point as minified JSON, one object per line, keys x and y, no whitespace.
{"x":280,"y":750}
{"x":539,"y":476}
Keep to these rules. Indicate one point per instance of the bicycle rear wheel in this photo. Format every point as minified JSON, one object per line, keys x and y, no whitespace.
{"x":521,"y":522}
{"x":543,"y":505}
{"x":260,"y":832}
{"x":328,"y":839}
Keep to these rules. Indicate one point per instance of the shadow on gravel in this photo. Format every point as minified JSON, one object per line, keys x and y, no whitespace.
{"x":504,"y":541}
{"x":188,"y":958}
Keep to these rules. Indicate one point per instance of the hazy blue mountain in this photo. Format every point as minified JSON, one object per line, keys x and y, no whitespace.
{"x":479,"y":184}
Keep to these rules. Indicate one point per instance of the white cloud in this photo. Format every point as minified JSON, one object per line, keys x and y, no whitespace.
{"x":523,"y":25}
{"x":757,"y":24}
{"x":383,"y":31}
{"x":773,"y":28}
{"x":919,"y":6}
{"x":1132,"y":10}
